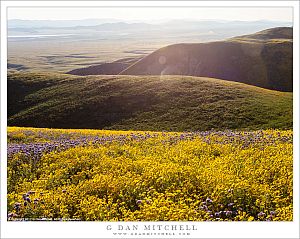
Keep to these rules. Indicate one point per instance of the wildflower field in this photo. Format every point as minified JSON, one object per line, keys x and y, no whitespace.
{"x":149,"y":176}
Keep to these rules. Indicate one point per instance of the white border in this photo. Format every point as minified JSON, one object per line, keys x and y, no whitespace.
{"x":98,"y":229}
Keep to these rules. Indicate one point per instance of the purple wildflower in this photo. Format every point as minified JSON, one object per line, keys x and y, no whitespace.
{"x":208,"y":200}
{"x":228,"y":213}
{"x":272,"y":213}
{"x":9,"y":215}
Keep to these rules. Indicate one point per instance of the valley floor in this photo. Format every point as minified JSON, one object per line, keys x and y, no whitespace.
{"x":148,"y":176}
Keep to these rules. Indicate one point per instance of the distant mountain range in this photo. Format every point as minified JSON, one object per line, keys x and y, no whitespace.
{"x":19,"y":23}
{"x":120,"y":25}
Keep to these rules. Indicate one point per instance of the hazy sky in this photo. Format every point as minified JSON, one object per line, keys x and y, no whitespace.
{"x":152,"y":13}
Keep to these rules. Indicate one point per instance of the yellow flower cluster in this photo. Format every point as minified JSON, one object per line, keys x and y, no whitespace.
{"x":150,"y":176}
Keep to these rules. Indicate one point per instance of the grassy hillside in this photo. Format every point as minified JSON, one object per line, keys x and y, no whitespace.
{"x":264,"y":59}
{"x":112,"y":68}
{"x":272,"y":33}
{"x":143,"y":103}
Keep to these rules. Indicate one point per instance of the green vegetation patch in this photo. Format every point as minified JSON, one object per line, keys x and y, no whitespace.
{"x":174,"y":103}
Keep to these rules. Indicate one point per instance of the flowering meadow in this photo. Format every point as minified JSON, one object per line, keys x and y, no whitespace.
{"x":103,"y":175}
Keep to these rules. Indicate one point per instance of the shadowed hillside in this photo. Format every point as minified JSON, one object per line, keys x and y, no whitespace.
{"x":263,"y":59}
{"x":174,"y":103}
{"x":112,"y":68}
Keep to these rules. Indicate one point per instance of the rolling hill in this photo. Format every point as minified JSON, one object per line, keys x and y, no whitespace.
{"x":110,"y":68}
{"x":263,"y":59}
{"x":175,"y":103}
{"x":268,"y":34}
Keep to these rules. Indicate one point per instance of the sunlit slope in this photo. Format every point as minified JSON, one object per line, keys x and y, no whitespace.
{"x":270,"y":34}
{"x":263,"y":59}
{"x":143,"y":103}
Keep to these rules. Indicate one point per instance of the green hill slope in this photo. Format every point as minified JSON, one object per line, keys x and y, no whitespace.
{"x":263,"y":59}
{"x":143,"y":103}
